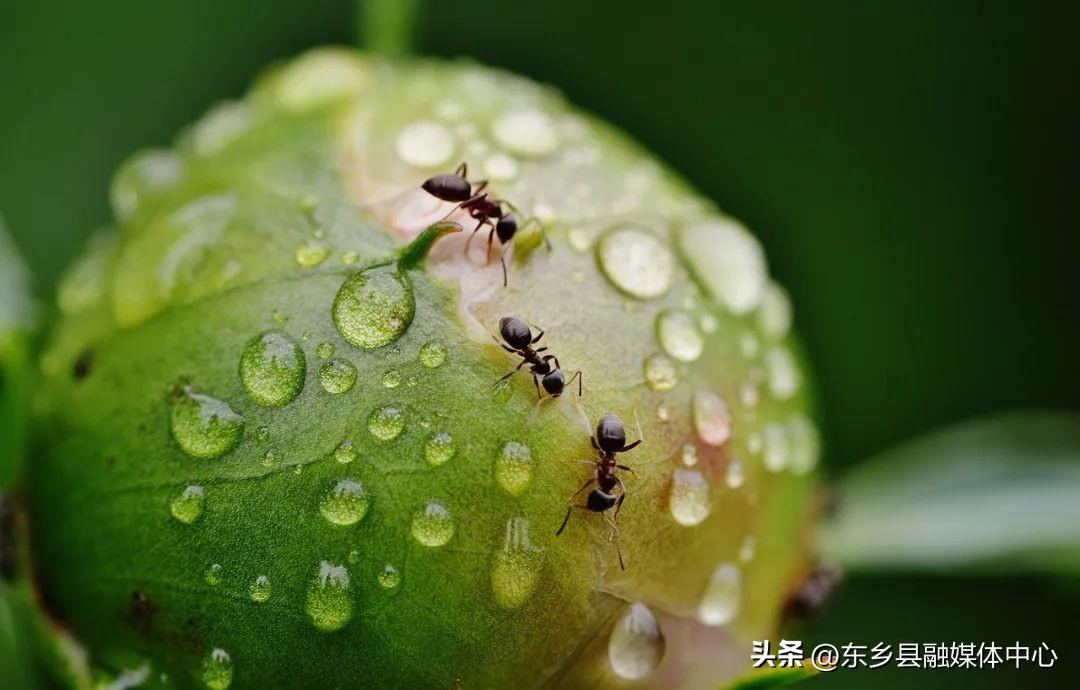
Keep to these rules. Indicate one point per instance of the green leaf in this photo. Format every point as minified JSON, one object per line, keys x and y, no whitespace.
{"x":763,"y":678}
{"x":17,"y":318}
{"x":1000,"y":493}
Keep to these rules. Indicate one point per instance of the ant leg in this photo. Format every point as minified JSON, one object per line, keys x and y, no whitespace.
{"x":502,"y":260}
{"x":585,"y":421}
{"x":491,"y":238}
{"x":618,"y":503}
{"x":469,"y":242}
{"x":577,"y":375}
{"x":509,"y":374}
{"x":540,"y":349}
{"x":570,"y":507}
{"x":552,"y":357}
{"x":618,"y":544}
{"x":641,"y":436}
{"x":480,"y":186}
{"x":502,"y":344}
{"x":624,"y":468}
{"x":536,"y":382}
{"x":538,"y":335}
{"x":536,"y":410}
{"x":462,"y":170}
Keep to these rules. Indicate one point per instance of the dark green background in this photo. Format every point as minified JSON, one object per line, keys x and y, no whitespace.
{"x":910,"y":167}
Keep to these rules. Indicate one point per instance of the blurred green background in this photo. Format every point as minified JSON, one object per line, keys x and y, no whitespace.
{"x":908,"y":166}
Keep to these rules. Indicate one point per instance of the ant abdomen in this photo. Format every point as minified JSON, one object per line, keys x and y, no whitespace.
{"x":448,"y":187}
{"x":600,"y":500}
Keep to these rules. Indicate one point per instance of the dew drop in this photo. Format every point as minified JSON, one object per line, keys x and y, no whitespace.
{"x":213,"y":574}
{"x":515,"y":571}
{"x":690,"y":501}
{"x":272,"y":368}
{"x":204,"y":427}
{"x":424,"y":144}
{"x":735,"y":474}
{"x":310,"y":254}
{"x":664,"y":413}
{"x":580,"y":240}
{"x":749,"y":345}
{"x":391,"y":379}
{"x":389,"y":578}
{"x":319,"y":78}
{"x":720,"y":603}
{"x":260,"y":589}
{"x":143,"y":176}
{"x":346,"y":503}
{"x":262,"y":434}
{"x":433,"y":526}
{"x":269,"y":458}
{"x":500,"y":167}
{"x":748,"y":548}
{"x":386,"y":423}
{"x":328,"y":602}
{"x":525,"y":131}
{"x":636,"y":262}
{"x":636,"y":646}
{"x":217,"y":670}
{"x":337,"y":376}
{"x":805,"y":444}
{"x":325,"y":350}
{"x":783,"y":373}
{"x":220,"y":127}
{"x":712,"y":418}
{"x":774,"y":312}
{"x":775,"y":446}
{"x":689,"y":454}
{"x":513,"y":468}
{"x":188,"y":506}
{"x":661,"y":373}
{"x":679,"y":335}
{"x":432,"y":354}
{"x":439,"y":449}
{"x":728,"y":261}
{"x":374,"y":307}
{"x":345,"y":452}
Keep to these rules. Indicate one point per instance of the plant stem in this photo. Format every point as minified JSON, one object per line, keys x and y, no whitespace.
{"x":387,"y":27}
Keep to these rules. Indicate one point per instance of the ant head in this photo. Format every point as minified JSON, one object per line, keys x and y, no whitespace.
{"x":554,"y":382}
{"x":515,"y":332}
{"x":506,"y":227}
{"x":600,"y":500}
{"x":448,"y":187}
{"x":610,"y":433}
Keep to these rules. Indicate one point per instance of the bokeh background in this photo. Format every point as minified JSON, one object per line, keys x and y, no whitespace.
{"x":909,"y":166}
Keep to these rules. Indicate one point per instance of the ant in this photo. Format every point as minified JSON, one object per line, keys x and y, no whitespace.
{"x":519,"y":341}
{"x":609,"y":439}
{"x":481,"y":206}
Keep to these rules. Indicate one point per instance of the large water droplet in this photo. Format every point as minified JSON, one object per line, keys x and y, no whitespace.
{"x":389,"y":577}
{"x":144,"y":175}
{"x":374,"y":307}
{"x":386,"y":423}
{"x":513,"y":468}
{"x":720,"y":603}
{"x":690,"y":500}
{"x":328,"y":602}
{"x":712,"y":418}
{"x":679,"y":335}
{"x":425,"y":144}
{"x":500,"y":167}
{"x":728,"y":261}
{"x":774,"y":313}
{"x":337,"y":376}
{"x":260,"y":589}
{"x":516,"y":568}
{"x":525,"y":131}
{"x":636,"y":262}
{"x":433,"y":526}
{"x":661,"y":373}
{"x":188,"y":506}
{"x":783,"y":373}
{"x":319,"y":78}
{"x":204,"y":427}
{"x":346,"y":503}
{"x":345,"y":452}
{"x":310,"y":253}
{"x":636,"y":646}
{"x":272,"y":368}
{"x":217,"y":670}
{"x":432,"y":354}
{"x":439,"y":448}
{"x":224,"y":124}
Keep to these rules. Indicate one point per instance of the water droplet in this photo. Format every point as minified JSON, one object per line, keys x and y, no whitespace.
{"x":319,"y":78}
{"x":735,"y":475}
{"x":389,"y":577}
{"x":433,"y":525}
{"x":500,"y":167}
{"x":664,"y":413}
{"x":328,"y":602}
{"x":636,"y":262}
{"x":217,"y":670}
{"x":690,"y":500}
{"x":679,"y":335}
{"x":708,"y":323}
{"x":188,"y":506}
{"x":310,"y":253}
{"x":513,"y":468}
{"x":345,"y":452}
{"x":262,"y":434}
{"x":204,"y":427}
{"x":260,"y":589}
{"x":636,"y":646}
{"x":439,"y":449}
{"x":783,"y":373}
{"x":374,"y":307}
{"x":525,"y":131}
{"x":213,"y":574}
{"x":325,"y":350}
{"x":269,"y":458}
{"x":720,"y":603}
{"x":449,"y":110}
{"x":346,"y":503}
{"x":516,"y":568}
{"x":142,"y":176}
{"x":580,"y":240}
{"x":728,"y":261}
{"x":712,"y":418}
{"x":337,"y":376}
{"x":354,"y":556}
{"x":386,"y":423}
{"x":748,"y":548}
{"x":689,"y":454}
{"x":805,"y":444}
{"x":749,"y":345}
{"x":775,"y":446}
{"x":391,"y":379}
{"x":661,"y":373}
{"x":273,"y":368}
{"x":432,"y":354}
{"x":748,"y":395}
{"x":774,"y":312}
{"x":425,"y":144}
{"x":224,"y":124}
{"x":349,"y":258}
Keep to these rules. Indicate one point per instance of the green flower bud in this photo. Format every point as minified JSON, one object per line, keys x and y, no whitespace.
{"x":286,"y":466}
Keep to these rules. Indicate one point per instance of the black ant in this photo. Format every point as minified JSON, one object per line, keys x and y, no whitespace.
{"x":519,"y":341}
{"x":481,"y":206}
{"x":609,"y":439}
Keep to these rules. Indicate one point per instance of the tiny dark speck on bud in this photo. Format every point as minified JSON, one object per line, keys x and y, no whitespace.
{"x":83,"y":365}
